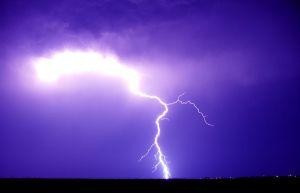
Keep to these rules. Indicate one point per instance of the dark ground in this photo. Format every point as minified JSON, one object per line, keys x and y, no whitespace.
{"x":259,"y":184}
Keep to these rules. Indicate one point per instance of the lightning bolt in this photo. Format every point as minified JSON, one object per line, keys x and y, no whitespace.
{"x":71,"y":63}
{"x":161,"y":156}
{"x":161,"y":160}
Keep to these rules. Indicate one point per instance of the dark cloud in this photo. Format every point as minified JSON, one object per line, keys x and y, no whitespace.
{"x":237,"y":59}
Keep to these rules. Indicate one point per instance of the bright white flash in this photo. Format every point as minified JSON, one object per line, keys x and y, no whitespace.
{"x":76,"y":62}
{"x":70,"y":63}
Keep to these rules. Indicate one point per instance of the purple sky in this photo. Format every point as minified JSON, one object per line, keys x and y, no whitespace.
{"x":238,"y":60}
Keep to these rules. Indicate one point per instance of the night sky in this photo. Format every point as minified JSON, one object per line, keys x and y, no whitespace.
{"x":237,"y":60}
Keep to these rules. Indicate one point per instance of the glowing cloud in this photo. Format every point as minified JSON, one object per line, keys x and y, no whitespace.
{"x":75,"y":62}
{"x":70,"y":63}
